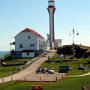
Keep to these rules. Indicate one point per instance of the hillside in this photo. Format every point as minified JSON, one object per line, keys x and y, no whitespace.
{"x":77,"y":51}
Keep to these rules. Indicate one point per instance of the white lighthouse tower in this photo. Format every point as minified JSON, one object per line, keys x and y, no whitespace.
{"x":51,"y":9}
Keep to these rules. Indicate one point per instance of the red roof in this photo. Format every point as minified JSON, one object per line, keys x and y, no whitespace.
{"x":34,"y":32}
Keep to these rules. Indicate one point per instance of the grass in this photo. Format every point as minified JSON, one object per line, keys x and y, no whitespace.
{"x":72,"y":64}
{"x":65,"y":84}
{"x":9,"y":70}
{"x":69,"y":83}
{"x":15,"y":61}
{"x":6,"y":71}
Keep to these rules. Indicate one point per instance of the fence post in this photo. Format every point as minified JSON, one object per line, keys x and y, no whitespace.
{"x":62,"y":76}
{"x":2,"y":80}
{"x":11,"y":78}
{"x":56,"y":79}
{"x":66,"y":74}
{"x":25,"y":78}
{"x":40,"y":79}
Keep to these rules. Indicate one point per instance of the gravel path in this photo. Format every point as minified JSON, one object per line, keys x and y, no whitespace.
{"x":29,"y":70}
{"x":80,"y":75}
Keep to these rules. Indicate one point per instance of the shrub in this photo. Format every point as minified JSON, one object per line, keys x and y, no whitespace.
{"x":65,"y":50}
{"x":87,"y":54}
{"x":76,"y":51}
{"x":79,"y":52}
{"x":7,"y":57}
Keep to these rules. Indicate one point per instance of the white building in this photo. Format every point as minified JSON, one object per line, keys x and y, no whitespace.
{"x":47,"y":43}
{"x":28,"y":43}
{"x":58,"y":43}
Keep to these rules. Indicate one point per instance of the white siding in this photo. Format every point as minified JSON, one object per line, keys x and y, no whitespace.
{"x":41,"y":44}
{"x":27,"y":54}
{"x":47,"y":45}
{"x":58,"y":43}
{"x":22,"y":38}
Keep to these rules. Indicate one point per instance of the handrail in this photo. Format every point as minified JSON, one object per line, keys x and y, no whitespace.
{"x":32,"y":60}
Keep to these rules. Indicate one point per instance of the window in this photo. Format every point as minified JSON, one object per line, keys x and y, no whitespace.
{"x":27,"y":53}
{"x":31,"y":45}
{"x":21,"y":46}
{"x":51,"y":3}
{"x":28,"y":37}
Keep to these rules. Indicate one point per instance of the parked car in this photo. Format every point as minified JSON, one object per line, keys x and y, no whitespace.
{"x":45,"y":70}
{"x":41,"y":70}
{"x":50,"y":71}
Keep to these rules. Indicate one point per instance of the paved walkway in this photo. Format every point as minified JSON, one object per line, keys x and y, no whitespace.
{"x":80,"y":75}
{"x":29,"y":70}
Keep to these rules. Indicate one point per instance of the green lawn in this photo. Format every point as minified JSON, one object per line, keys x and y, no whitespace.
{"x":65,"y":84}
{"x":72,"y":64}
{"x":16,"y":61}
{"x":5,"y":71}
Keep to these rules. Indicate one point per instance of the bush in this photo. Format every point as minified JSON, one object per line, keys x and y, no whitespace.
{"x":76,"y":51}
{"x":88,"y":60}
{"x":7,"y":57}
{"x":87,"y":54}
{"x":65,"y":50}
{"x":79,"y":52}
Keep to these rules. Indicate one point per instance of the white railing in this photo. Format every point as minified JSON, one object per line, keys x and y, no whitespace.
{"x":31,"y":61}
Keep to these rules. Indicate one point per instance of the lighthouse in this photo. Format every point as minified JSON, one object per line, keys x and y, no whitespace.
{"x":51,"y":10}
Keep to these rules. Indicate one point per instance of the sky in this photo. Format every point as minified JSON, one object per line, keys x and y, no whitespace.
{"x":16,"y":15}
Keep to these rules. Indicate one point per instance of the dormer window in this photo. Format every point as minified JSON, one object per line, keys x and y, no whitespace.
{"x":28,"y":37}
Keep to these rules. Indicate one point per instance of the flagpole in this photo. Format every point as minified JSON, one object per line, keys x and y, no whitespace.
{"x":73,"y":36}
{"x":73,"y":39}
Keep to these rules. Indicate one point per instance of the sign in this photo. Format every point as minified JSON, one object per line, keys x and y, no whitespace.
{"x":37,"y":87}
